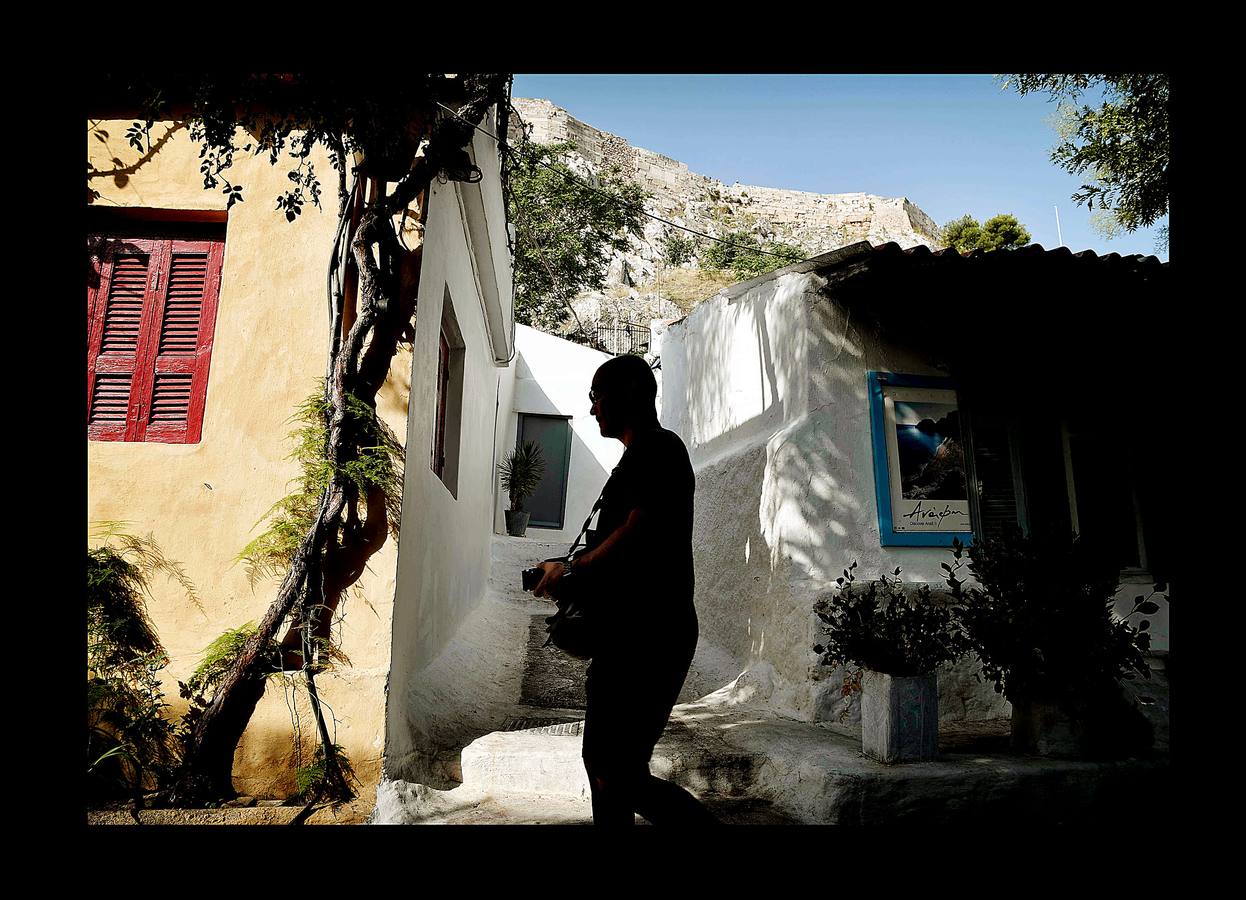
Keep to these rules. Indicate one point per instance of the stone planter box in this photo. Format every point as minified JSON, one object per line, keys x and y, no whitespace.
{"x":899,"y":717}
{"x":1044,"y":727}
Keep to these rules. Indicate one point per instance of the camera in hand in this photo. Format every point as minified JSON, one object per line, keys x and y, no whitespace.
{"x":530,"y":578}
{"x":568,"y":586}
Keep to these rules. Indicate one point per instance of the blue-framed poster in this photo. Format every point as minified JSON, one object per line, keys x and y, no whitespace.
{"x":920,"y":477}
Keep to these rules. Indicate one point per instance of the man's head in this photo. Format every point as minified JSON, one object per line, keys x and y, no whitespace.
{"x":623,"y":395}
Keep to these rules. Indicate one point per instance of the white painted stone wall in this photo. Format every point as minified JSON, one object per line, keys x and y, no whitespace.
{"x":767,"y":386}
{"x":444,"y":552}
{"x":552,"y":377}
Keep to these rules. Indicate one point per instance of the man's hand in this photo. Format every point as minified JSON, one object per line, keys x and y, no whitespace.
{"x":549,"y":581}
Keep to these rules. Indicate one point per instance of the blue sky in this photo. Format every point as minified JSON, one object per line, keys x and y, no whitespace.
{"x":952,"y":144}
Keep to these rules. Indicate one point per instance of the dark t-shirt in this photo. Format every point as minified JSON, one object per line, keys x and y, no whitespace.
{"x":646,"y":591}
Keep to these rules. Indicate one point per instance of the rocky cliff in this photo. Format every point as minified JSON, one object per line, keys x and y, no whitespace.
{"x":640,"y":286}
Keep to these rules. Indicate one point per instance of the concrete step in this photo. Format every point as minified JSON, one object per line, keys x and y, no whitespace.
{"x":547,"y":760}
{"x":818,"y":774}
{"x":400,"y":803}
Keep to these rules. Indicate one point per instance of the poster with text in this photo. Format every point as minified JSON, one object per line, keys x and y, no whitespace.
{"x":926,"y":456}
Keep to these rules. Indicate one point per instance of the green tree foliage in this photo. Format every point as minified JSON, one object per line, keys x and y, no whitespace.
{"x":521,"y":472}
{"x":378,"y":464}
{"x":1001,"y":232}
{"x":130,"y":744}
{"x":565,"y":230}
{"x":746,"y":256}
{"x":679,"y":248}
{"x":1122,"y":145}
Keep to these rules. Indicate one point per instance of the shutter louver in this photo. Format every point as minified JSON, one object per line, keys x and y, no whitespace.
{"x":152,"y":313}
{"x":183,"y":310}
{"x":997,"y":498}
{"x":110,"y":400}
{"x":124,"y":313}
{"x":170,"y":399}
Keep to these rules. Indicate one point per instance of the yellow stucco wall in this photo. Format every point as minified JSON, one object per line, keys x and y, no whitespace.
{"x":201,"y":501}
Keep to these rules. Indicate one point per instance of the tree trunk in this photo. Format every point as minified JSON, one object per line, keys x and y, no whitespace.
{"x":359,"y":368}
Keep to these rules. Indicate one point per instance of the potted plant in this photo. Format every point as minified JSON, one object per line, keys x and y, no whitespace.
{"x":1041,"y":620}
{"x":896,"y":638}
{"x":521,"y":472}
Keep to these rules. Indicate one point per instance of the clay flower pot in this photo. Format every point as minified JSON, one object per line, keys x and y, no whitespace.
{"x":517,"y":522}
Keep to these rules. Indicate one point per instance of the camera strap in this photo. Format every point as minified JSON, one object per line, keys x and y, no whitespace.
{"x":584,"y":530}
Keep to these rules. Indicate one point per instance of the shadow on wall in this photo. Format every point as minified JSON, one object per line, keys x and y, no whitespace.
{"x":585,"y":472}
{"x":781,"y":446}
{"x":785,"y":492}
{"x":475,"y":681}
{"x":269,"y":756}
{"x":553,"y":377}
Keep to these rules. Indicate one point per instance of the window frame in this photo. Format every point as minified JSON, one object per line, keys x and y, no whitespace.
{"x":448,"y":402}
{"x":888,"y":537}
{"x":520,"y":437}
{"x":1129,"y":485}
{"x":147,"y":363}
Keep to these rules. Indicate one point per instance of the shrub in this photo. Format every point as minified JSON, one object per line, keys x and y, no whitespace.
{"x":745,"y":255}
{"x":1041,"y":620}
{"x":130,"y":745}
{"x":678,"y":249}
{"x":879,"y":626}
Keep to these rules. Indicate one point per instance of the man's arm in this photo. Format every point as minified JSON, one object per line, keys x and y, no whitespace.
{"x":613,"y":546}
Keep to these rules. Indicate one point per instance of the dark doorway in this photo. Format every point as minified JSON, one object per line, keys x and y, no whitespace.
{"x":548,"y":505}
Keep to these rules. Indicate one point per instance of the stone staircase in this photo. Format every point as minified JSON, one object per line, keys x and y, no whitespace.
{"x":530,"y":770}
{"x":750,"y":766}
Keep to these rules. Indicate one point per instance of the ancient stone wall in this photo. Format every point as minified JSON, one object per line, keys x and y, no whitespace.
{"x":818,"y":222}
{"x":815,"y":222}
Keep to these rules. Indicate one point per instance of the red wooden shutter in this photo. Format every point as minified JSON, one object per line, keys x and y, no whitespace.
{"x":153,"y":317}
{"x":119,"y":315}
{"x":180,"y":348}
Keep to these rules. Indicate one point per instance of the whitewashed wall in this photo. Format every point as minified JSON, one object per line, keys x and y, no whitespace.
{"x":444,"y":552}
{"x":766,"y":383}
{"x":767,"y":386}
{"x":552,"y":377}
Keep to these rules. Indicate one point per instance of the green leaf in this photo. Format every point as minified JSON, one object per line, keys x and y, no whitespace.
{"x":1149,"y":607}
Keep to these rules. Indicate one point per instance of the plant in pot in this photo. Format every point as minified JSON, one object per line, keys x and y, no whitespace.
{"x":521,"y":471}
{"x":897,"y":638}
{"x":1041,"y":620}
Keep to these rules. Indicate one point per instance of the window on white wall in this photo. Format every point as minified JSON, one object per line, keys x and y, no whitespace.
{"x":1102,"y":494}
{"x":448,"y":408}
{"x":548,"y":505}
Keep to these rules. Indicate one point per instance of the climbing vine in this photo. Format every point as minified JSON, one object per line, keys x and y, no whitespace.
{"x":404,"y":132}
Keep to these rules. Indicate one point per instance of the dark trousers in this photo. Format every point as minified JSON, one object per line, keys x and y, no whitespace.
{"x":630,"y":697}
{"x":621,"y":790}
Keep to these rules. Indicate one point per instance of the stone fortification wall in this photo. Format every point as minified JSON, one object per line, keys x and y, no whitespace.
{"x":670,"y":181}
{"x":817,"y":222}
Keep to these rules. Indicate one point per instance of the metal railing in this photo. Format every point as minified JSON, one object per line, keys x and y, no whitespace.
{"x":623,"y":337}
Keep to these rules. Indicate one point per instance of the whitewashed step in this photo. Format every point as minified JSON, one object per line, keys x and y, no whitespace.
{"x":527,"y":763}
{"x":400,"y":803}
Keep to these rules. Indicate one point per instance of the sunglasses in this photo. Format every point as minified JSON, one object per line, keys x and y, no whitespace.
{"x":593,"y":396}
